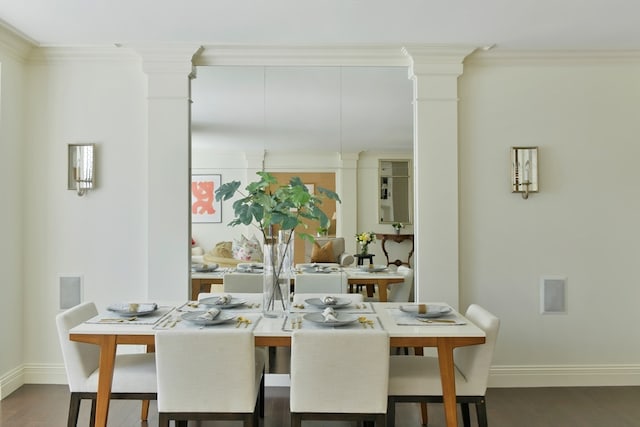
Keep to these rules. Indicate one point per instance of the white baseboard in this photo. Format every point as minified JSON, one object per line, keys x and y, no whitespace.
{"x":499,"y":376}
{"x":11,"y":381}
{"x":564,"y":375}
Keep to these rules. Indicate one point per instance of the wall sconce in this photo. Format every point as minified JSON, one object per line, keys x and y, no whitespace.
{"x":81,"y":168}
{"x":524,"y":170}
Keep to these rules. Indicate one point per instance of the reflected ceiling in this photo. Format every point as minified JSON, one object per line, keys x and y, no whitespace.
{"x":347,"y":109}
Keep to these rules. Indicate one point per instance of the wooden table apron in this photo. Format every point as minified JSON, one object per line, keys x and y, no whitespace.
{"x":202,"y":285}
{"x":109,"y":342}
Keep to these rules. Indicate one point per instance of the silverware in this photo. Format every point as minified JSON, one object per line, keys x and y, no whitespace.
{"x":435,"y":320}
{"x":119,"y":319}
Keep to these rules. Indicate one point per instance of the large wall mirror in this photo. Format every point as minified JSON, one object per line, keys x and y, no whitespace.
{"x":313,"y":119}
{"x":395,"y":191}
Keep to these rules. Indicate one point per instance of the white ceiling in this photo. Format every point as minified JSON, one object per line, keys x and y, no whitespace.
{"x":356,"y":108}
{"x":510,"y":24}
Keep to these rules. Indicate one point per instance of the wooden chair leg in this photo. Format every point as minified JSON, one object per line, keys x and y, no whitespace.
{"x":74,"y":410}
{"x":296,"y":420}
{"x":92,"y":417}
{"x":370,"y":290}
{"x":144,"y":413}
{"x":424,"y":413}
{"x":391,"y":412}
{"x":481,"y":413}
{"x":466,"y":419}
{"x":261,"y":396}
{"x":163,"y":420}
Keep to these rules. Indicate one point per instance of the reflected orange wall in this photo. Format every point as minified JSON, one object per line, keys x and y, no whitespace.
{"x":318,"y":179}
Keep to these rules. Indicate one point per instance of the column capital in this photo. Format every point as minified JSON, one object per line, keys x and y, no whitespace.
{"x":435,"y":59}
{"x":167,"y":59}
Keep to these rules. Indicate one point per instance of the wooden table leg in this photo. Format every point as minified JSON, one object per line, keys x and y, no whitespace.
{"x":144,"y":414}
{"x":382,"y":290}
{"x":107,"y":363}
{"x":447,"y":376}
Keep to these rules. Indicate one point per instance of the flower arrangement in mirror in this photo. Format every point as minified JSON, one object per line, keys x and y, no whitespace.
{"x":364,"y":239}
{"x":397,"y":226}
{"x":269,"y":205}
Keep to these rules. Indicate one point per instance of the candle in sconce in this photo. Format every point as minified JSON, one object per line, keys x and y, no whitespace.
{"x":526,"y":172}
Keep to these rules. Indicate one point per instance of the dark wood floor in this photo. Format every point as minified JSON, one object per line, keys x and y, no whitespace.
{"x":46,"y":406}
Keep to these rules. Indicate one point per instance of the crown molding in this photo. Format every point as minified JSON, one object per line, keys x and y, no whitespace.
{"x":552,"y":57}
{"x":266,"y":55}
{"x":15,"y":44}
{"x":54,"y":54}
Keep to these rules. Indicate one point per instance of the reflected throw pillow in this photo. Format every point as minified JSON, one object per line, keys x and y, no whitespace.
{"x":222,"y":249}
{"x":323,"y":253}
{"x":247,"y":249}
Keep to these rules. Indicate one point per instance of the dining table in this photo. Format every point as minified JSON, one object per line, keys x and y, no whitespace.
{"x":201,"y":282}
{"x":404,"y":329}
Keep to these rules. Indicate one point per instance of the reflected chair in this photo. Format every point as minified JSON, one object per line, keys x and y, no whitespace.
{"x":230,"y":388}
{"x":134,"y":375}
{"x":331,"y":380}
{"x":417,"y":378}
{"x":327,"y":283}
{"x":401,"y":292}
{"x":329,"y":250}
{"x":242,"y":282}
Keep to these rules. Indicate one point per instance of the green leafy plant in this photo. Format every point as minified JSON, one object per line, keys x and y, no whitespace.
{"x":266,"y":203}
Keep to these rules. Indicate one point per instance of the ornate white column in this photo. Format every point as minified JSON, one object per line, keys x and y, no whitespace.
{"x":168,"y":72}
{"x":434,"y":71}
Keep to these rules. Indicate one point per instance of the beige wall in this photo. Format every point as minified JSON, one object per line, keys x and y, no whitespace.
{"x":582,"y":114}
{"x":12,"y":237}
{"x":582,"y":225}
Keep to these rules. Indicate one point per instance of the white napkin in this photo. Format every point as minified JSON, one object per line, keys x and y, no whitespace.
{"x":210,"y":314}
{"x":329,"y":315}
{"x":224,"y":299}
{"x":329,"y":300}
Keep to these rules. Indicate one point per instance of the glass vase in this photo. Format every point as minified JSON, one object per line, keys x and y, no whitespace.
{"x":278,"y":271}
{"x":364,"y":248}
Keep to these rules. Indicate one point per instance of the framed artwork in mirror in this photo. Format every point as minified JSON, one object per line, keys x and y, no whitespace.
{"x":204,"y":207}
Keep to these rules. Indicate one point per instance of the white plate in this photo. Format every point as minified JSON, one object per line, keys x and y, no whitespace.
{"x":250,"y":267}
{"x":317,"y":302}
{"x":203,"y":268}
{"x":433,"y":310}
{"x":124,"y":308}
{"x":343,"y":319}
{"x":317,"y":270}
{"x":372,"y":268}
{"x":213,"y":301}
{"x":192,"y":316}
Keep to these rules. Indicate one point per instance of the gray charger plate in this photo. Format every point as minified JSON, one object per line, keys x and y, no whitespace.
{"x":343,"y":319}
{"x":192,"y":316}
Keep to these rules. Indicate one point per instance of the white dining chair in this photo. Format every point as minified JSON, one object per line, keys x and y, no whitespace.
{"x":231,"y":387}
{"x":257,"y":297}
{"x":331,"y":380}
{"x":134,"y":375}
{"x":242,"y":282}
{"x":328,"y":283}
{"x":417,"y":378}
{"x":300,"y":298}
{"x":401,"y":292}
